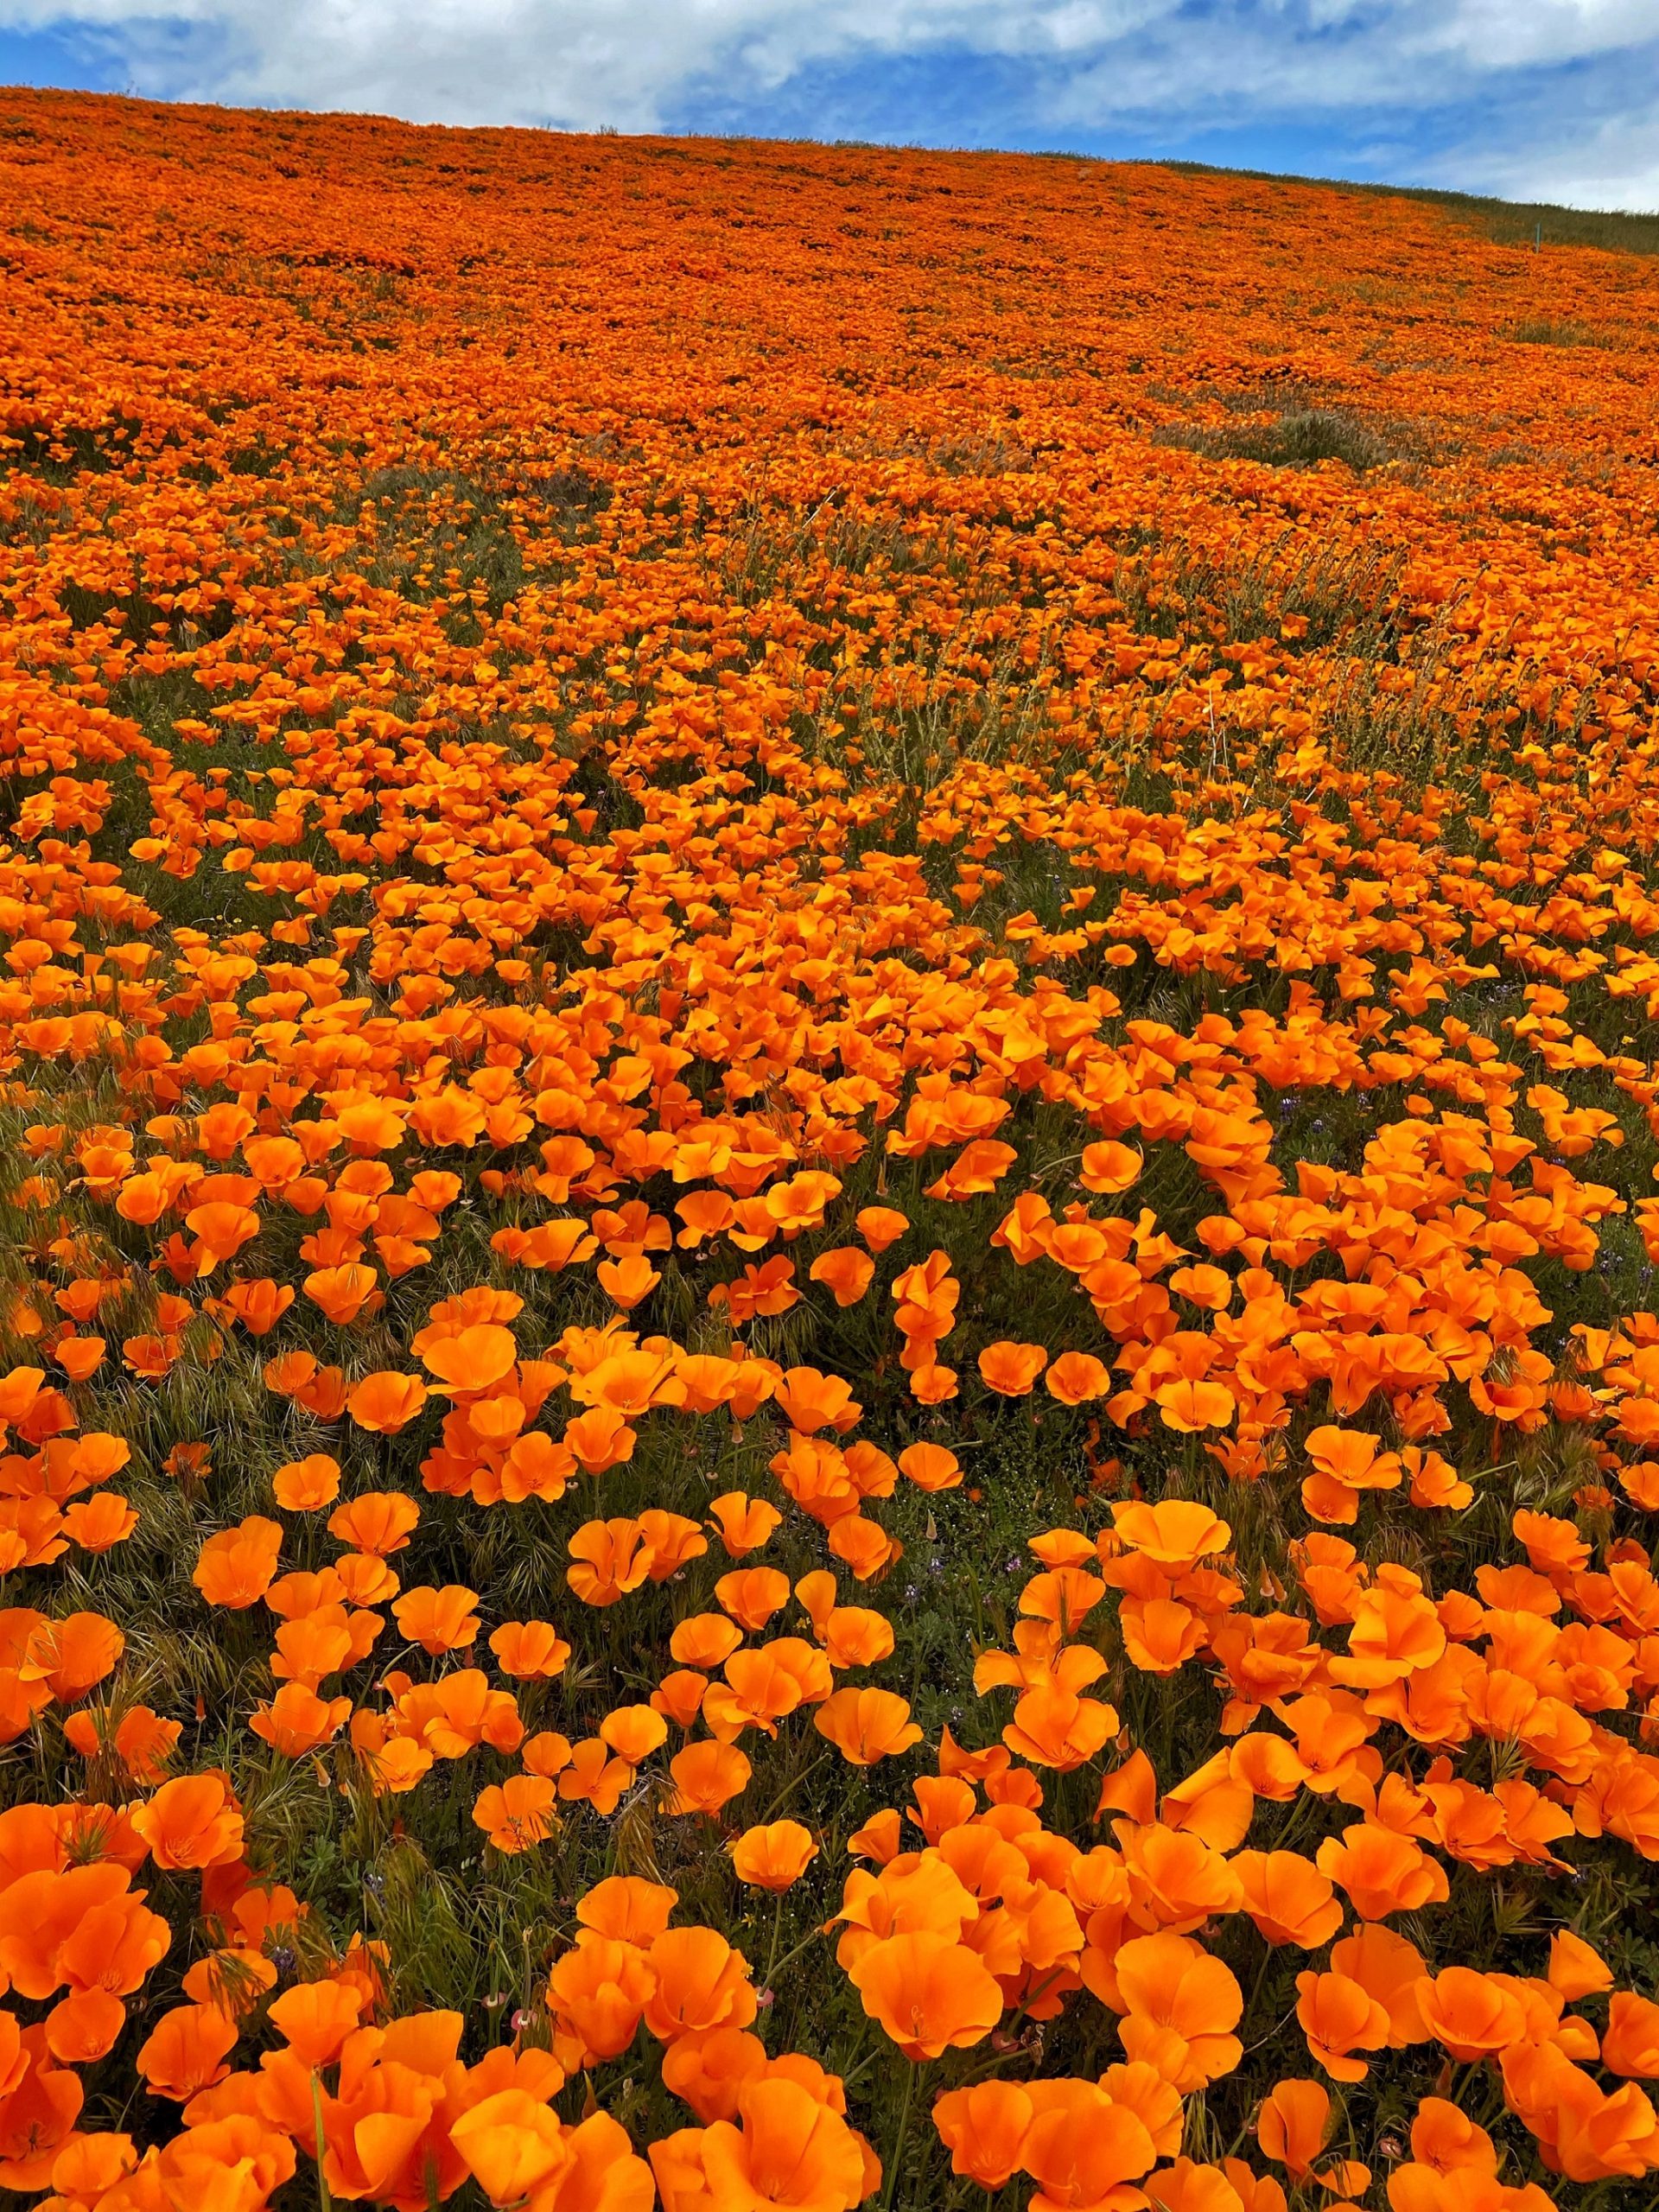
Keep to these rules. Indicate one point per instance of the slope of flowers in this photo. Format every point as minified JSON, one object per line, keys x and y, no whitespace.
{"x":830,"y":1368}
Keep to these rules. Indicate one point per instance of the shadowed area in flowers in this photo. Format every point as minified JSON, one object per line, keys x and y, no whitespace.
{"x":828,"y":1366}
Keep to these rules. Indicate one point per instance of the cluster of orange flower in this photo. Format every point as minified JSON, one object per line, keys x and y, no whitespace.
{"x":719,"y":895}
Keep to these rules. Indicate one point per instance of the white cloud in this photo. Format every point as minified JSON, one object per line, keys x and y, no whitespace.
{"x":1083,"y":67}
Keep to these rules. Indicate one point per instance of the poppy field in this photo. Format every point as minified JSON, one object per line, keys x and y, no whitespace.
{"x":829,"y":1115}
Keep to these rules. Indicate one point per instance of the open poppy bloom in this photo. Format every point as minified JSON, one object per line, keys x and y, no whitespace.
{"x":928,"y":1993}
{"x":774,"y":1856}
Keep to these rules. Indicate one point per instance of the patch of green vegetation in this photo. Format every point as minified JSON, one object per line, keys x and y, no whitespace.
{"x":1552,"y":333}
{"x":1302,"y":437}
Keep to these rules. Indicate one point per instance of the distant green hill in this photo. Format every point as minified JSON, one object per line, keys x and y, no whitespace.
{"x":1509,"y":222}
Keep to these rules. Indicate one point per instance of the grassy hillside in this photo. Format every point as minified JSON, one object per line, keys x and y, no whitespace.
{"x":829,"y":1141}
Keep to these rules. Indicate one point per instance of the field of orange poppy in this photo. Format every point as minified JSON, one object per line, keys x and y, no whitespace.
{"x":830,"y":1372}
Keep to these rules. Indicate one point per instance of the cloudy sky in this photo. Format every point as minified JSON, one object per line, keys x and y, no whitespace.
{"x":1554,"y":100}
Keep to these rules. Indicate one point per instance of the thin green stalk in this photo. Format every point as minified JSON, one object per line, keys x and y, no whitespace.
{"x":776,"y":1930}
{"x":898,"y":2144}
{"x":789,"y":1957}
{"x":325,"y":2197}
{"x":793,"y":1786}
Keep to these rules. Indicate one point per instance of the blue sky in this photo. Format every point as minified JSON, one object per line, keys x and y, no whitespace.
{"x":1549,"y":98}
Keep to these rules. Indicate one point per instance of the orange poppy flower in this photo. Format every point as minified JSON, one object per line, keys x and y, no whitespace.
{"x":315,"y":2018}
{"x":513,"y":2144}
{"x":881,"y":1226}
{"x":530,"y":1650}
{"x":601,"y":1987}
{"x":1175,"y":1534}
{"x":306,"y":1486}
{"x":343,"y":1293}
{"x":930,"y":1466}
{"x":927,"y":1992}
{"x":608,"y":1558}
{"x":193,"y":1821}
{"x":868,"y":1725}
{"x":1083,"y":2150}
{"x":743,"y":1524}
{"x":474,"y":1359}
{"x":518,"y":1813}
{"x":1181,"y":2005}
{"x":186,"y":2051}
{"x":1076,"y":1377}
{"x":773,"y":1857}
{"x":1382,"y":1873}
{"x":790,"y":2150}
{"x":386,"y":1402}
{"x":1287,"y":1898}
{"x":847,"y":1271}
{"x":438,"y":1620}
{"x":985,"y":2128}
{"x":379,"y":1521}
{"x":1472,"y":2014}
{"x":1012,"y":1369}
{"x":704,"y":1640}
{"x":99,"y":1524}
{"x":751,"y":1595}
{"x":1292,"y":2125}
{"x":237,"y":1567}
{"x":706,"y":1777}
{"x":1339,"y":2016}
